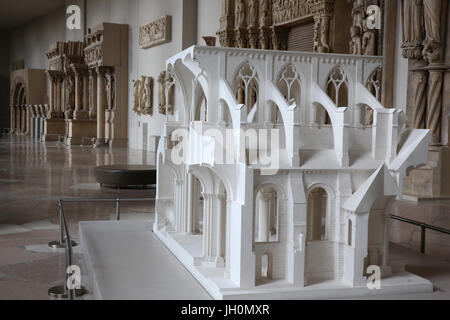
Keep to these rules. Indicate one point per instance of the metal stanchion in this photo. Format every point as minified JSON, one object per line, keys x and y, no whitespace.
{"x":118,"y":209}
{"x":61,"y":243}
{"x":63,"y":291}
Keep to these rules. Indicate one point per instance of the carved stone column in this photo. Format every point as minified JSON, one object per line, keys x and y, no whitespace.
{"x":240,"y":32}
{"x":434,"y":112}
{"x":226,"y":37}
{"x":52,"y":94}
{"x":85,"y":92}
{"x":433,"y":54}
{"x":322,"y":11}
{"x":79,"y":72}
{"x":420,"y":97}
{"x":58,"y":97}
{"x":265,"y":17}
{"x":101,"y":105}
{"x":13,"y":118}
{"x":92,"y":94}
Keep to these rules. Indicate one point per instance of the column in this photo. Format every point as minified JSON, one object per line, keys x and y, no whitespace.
{"x":51,"y":98}
{"x":92,"y":94}
{"x":85,"y":92}
{"x":207,"y":227}
{"x":190,"y":204}
{"x":13,"y":118}
{"x":434,"y":111}
{"x":77,"y":93}
{"x":227,"y":239}
{"x":58,"y":107}
{"x":420,"y":97}
{"x":220,"y":229}
{"x":264,"y":216}
{"x":100,"y":106}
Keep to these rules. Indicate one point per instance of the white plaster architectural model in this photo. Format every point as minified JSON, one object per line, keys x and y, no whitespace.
{"x":276,"y":170}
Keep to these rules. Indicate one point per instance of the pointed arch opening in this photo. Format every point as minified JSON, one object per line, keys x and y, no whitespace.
{"x":246,"y":86}
{"x":200,"y":104}
{"x":373,"y":84}
{"x":337,"y":87}
{"x":289,"y":84}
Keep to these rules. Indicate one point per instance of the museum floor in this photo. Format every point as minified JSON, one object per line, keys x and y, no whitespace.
{"x":33,"y":176}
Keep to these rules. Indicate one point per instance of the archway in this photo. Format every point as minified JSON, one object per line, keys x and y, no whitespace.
{"x":316,"y":215}
{"x":269,"y":233}
{"x":200,"y":105}
{"x":246,"y":86}
{"x":289,"y":84}
{"x":266,"y":215}
{"x":319,"y":255}
{"x":337,"y":87}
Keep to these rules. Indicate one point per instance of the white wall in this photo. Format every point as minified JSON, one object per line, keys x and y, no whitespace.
{"x":208,"y":19}
{"x":401,"y":67}
{"x":30,"y":42}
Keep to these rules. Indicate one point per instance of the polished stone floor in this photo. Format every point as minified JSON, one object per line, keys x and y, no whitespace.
{"x":34,"y":176}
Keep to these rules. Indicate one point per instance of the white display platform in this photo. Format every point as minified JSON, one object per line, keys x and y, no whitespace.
{"x":125,"y":260}
{"x":212,"y":280}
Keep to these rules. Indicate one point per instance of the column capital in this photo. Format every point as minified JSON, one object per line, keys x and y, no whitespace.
{"x":55,"y":75}
{"x":102,"y":70}
{"x":79,"y":69}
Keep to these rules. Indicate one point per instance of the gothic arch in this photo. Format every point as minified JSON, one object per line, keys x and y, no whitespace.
{"x":247,"y":87}
{"x":338,"y":86}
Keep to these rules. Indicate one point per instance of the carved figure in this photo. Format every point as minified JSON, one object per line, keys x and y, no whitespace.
{"x":162,"y":93}
{"x":355,"y":43}
{"x":412,"y":29}
{"x":147,"y":96}
{"x":136,"y":87}
{"x":432,"y":19}
{"x":264,"y":13}
{"x":368,"y":41}
{"x":240,"y":13}
{"x":253,"y":13}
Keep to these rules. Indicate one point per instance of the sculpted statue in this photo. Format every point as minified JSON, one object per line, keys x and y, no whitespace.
{"x":70,"y":102}
{"x":162,"y":93}
{"x":170,"y":88}
{"x":412,"y":29}
{"x":355,"y":42}
{"x":240,"y":13}
{"x":147,"y":96}
{"x":136,"y":87}
{"x":110,"y":91}
{"x":368,"y":41}
{"x":432,"y":19}
{"x":264,"y":13}
{"x":141,"y":94}
{"x":316,"y":36}
{"x":324,"y":28}
{"x":253,"y":13}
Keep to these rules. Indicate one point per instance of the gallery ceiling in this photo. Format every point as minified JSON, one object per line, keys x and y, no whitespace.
{"x":14,"y":13}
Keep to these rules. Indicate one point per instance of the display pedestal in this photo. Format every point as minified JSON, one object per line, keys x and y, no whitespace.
{"x":77,"y":129}
{"x":53,"y":128}
{"x":431,"y":181}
